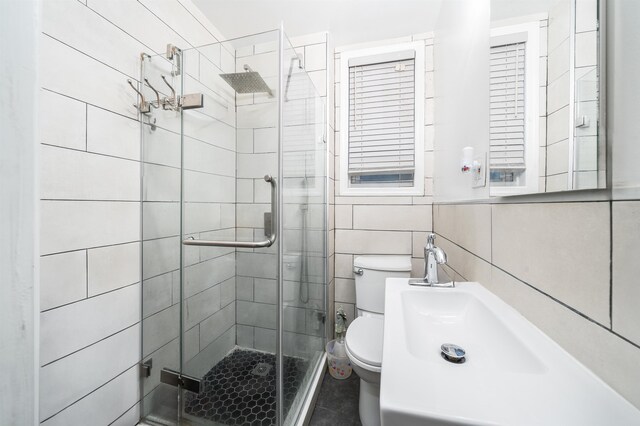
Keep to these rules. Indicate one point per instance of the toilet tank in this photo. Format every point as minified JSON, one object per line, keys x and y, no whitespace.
{"x":371,"y":281}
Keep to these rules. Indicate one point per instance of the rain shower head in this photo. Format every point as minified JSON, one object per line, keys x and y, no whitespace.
{"x":247,"y":82}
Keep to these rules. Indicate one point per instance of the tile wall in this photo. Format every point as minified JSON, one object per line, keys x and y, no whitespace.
{"x":379,"y":225}
{"x":569,"y":268}
{"x":90,"y":207}
{"x":588,"y":159}
{"x":559,"y":86}
{"x":586,"y":156}
{"x":542,"y":114}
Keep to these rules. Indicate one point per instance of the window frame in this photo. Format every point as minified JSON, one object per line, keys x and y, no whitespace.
{"x":532,"y":107}
{"x":417,"y":189}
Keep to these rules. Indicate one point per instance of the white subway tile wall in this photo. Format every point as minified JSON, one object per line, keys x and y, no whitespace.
{"x":90,"y":209}
{"x":553,"y":262}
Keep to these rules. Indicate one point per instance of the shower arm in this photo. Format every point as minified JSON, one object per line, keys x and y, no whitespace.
{"x":191,"y":241}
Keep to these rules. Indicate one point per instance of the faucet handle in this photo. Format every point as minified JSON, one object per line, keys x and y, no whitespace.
{"x":431,"y":238}
{"x":440,"y":256}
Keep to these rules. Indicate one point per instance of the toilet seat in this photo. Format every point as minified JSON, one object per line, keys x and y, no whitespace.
{"x":364,"y":342}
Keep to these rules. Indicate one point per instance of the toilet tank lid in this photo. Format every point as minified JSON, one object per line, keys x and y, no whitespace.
{"x":384,"y":263}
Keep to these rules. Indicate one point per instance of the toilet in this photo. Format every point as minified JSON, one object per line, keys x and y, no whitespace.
{"x":365,"y":333}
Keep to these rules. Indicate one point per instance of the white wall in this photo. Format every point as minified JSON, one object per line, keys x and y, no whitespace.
{"x":90,"y":190}
{"x":19,"y":21}
{"x":461,"y":59}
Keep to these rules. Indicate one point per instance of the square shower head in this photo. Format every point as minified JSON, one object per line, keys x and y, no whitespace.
{"x":246,"y":82}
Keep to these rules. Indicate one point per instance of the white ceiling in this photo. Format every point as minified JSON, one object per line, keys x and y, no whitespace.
{"x":349,"y":21}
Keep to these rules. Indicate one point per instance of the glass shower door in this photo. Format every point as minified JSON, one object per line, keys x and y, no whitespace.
{"x":161,"y":235}
{"x":230,"y":171}
{"x":303,"y":305}
{"x":243,"y":323}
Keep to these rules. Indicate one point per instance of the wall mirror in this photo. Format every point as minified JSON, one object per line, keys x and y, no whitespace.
{"x":546,"y":132}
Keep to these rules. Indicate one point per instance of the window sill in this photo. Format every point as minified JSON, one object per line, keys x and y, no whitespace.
{"x":382,"y":192}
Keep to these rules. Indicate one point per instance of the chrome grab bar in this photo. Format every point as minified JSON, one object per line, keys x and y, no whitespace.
{"x":248,"y":244}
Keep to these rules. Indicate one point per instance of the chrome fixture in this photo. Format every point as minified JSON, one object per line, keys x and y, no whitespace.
{"x":191,"y":241}
{"x":453,"y":353}
{"x":173,"y":52}
{"x":145,"y":368}
{"x":433,"y":256}
{"x":179,"y":380}
{"x":303,"y":295}
{"x":300,"y":66}
{"x":173,"y":102}
{"x":169,"y":103}
{"x":157,"y":104}
{"x":247,"y":82}
{"x":178,"y":103}
{"x":143,"y":106}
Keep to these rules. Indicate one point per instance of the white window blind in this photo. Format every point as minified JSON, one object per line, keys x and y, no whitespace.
{"x":507,"y":110}
{"x":382,"y":120}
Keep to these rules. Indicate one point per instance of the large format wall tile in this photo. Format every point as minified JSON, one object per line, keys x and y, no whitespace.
{"x":559,"y":248}
{"x":90,"y":213}
{"x":105,"y":404}
{"x":609,"y":356}
{"x":372,"y":242}
{"x":78,"y":325}
{"x":66,"y":381}
{"x":75,"y":175}
{"x":551,"y":262}
{"x":626,"y":269}
{"x":63,"y":279}
{"x":468,"y":225}
{"x":392,"y":218}
{"x":113,"y":267}
{"x":62,"y":121}
{"x":72,"y":225}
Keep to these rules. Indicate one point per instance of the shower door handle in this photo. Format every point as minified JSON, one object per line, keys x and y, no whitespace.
{"x":271,"y":238}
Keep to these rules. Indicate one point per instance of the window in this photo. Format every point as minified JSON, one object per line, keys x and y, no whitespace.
{"x":381,"y":141}
{"x":514,"y":109}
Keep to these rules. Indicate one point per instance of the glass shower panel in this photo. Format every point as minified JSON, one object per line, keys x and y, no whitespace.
{"x":161,"y":234}
{"x":303,"y":156}
{"x":246,"y":321}
{"x":229,"y":293}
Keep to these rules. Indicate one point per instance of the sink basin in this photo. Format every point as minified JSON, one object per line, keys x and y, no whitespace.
{"x":461,"y":318}
{"x":512,"y":374}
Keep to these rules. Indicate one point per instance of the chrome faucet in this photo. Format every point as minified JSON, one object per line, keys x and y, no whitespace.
{"x":433,"y":256}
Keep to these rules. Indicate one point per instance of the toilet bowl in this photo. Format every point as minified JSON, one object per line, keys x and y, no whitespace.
{"x":364,"y":349}
{"x":364,"y":337}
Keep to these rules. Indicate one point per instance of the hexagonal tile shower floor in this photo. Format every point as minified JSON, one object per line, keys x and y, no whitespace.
{"x":241,"y":389}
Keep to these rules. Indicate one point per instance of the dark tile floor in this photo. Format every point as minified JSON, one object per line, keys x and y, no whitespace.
{"x":337,"y":403}
{"x":241,"y":389}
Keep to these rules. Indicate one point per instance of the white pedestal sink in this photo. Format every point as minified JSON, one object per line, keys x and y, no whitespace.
{"x":512,"y":374}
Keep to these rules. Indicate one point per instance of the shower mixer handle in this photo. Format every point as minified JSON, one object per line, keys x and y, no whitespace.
{"x":271,"y":238}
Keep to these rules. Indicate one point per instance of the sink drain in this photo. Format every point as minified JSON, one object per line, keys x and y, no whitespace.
{"x":261,"y":369}
{"x":453,"y":353}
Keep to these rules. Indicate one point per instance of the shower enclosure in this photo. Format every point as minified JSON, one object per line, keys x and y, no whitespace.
{"x":234,"y":233}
